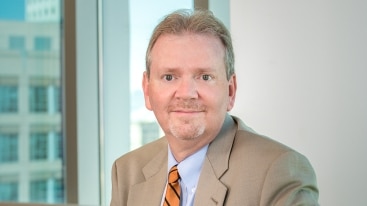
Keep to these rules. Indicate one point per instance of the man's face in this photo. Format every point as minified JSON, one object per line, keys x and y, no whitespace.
{"x":188,"y":90}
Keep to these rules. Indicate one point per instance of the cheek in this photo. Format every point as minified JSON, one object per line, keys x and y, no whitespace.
{"x":217,"y":99}
{"x":157,"y":99}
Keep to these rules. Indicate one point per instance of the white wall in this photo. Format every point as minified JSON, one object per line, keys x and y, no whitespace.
{"x":302,"y":76}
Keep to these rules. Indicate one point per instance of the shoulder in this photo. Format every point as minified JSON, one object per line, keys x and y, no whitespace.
{"x":252,"y":141}
{"x":262,"y":150}
{"x":273,"y":168}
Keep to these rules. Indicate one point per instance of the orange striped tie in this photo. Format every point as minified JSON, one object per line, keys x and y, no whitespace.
{"x":173,"y":191}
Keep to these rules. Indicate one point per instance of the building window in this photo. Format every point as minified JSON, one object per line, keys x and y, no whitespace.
{"x":47,"y":189}
{"x":8,"y":99}
{"x":38,"y":191}
{"x":59,"y":147}
{"x":8,"y":191}
{"x":8,"y":147}
{"x":17,"y":43}
{"x":59,"y":191}
{"x":39,"y":146}
{"x":42,"y":43}
{"x":38,"y":99}
{"x":45,"y":99}
{"x":57,"y":98}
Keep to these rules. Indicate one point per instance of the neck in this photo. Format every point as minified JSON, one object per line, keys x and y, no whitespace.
{"x":181,"y":149}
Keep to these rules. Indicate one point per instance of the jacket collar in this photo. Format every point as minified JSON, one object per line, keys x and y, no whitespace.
{"x":155,"y":180}
{"x":210,"y":190}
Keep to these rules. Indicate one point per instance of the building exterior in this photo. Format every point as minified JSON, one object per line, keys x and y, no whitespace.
{"x":31,"y":146}
{"x":42,"y":10}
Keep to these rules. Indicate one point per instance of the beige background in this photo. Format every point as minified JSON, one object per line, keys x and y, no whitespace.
{"x":302,"y":74}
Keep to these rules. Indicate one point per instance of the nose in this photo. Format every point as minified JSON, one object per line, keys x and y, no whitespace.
{"x":186,"y":89}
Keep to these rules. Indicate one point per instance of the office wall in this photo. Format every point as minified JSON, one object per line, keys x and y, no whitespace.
{"x":302,"y":76}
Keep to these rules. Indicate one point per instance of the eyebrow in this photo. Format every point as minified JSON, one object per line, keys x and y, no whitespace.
{"x":198,"y":70}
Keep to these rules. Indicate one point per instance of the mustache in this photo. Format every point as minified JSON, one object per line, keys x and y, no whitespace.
{"x":191,"y":105}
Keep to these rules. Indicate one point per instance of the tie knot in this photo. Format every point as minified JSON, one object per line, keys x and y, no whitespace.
{"x":173,"y":175}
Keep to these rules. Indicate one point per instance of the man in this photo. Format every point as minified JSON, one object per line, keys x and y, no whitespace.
{"x":190,"y":85}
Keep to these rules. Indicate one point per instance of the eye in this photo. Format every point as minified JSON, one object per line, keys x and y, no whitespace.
{"x":168,"y":77}
{"x":206,"y":77}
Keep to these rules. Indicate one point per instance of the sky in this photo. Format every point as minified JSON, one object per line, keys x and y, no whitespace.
{"x":12,"y":10}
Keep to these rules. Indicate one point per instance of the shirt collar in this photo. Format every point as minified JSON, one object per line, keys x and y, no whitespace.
{"x":190,"y":167}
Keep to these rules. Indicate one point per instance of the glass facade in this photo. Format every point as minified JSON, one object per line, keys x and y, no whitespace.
{"x":31,"y":142}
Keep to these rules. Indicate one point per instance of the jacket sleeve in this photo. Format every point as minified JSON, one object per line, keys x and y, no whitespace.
{"x":116,"y":196}
{"x":290,"y":180}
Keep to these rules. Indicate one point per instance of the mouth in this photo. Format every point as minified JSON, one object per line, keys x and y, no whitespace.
{"x":187,"y":113}
{"x":186,"y":108}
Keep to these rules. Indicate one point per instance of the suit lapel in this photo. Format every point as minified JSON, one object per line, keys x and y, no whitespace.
{"x":150,"y":191}
{"x":210,"y":190}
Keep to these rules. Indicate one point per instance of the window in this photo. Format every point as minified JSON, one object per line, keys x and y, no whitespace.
{"x":47,"y":189}
{"x":58,"y":190}
{"x":8,"y":191}
{"x":59,"y":147}
{"x":31,"y":141}
{"x":8,"y":147}
{"x":38,"y":190}
{"x":17,"y":43}
{"x":42,"y":43}
{"x":56,"y":99}
{"x":45,"y":145}
{"x":39,"y":146}
{"x":38,"y":99}
{"x":8,"y":98}
{"x":41,"y":114}
{"x":45,"y":99}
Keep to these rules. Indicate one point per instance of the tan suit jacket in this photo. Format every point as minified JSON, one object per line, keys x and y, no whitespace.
{"x":240,"y":168}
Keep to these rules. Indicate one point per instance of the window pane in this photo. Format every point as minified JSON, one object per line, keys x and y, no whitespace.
{"x":38,"y":148}
{"x":16,"y":43}
{"x":38,"y":99}
{"x":31,"y":142}
{"x":38,"y":190}
{"x":8,"y":98}
{"x":8,"y":191}
{"x":42,"y":43}
{"x":8,"y":147}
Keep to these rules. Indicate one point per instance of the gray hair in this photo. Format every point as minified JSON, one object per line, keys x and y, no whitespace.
{"x":199,"y":22}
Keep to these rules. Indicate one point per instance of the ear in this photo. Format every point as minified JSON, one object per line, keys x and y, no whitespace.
{"x":232,"y":87}
{"x":145,"y":84}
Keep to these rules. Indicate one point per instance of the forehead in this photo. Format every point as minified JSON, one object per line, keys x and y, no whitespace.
{"x":186,"y":44}
{"x":188,"y":36}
